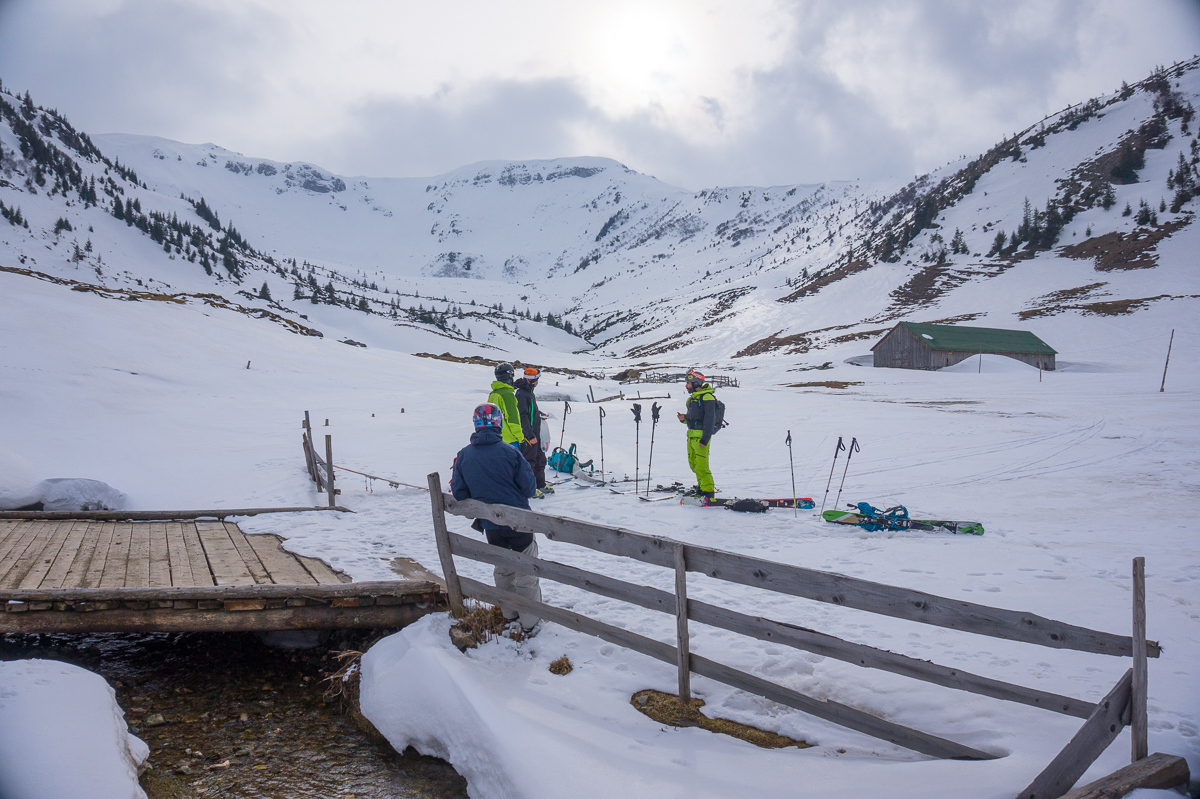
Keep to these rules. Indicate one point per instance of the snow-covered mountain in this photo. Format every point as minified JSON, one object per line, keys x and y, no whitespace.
{"x":639,"y":269}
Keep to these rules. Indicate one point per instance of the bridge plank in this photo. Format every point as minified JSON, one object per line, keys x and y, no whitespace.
{"x":83,"y":558}
{"x":226,"y":563}
{"x":71,"y":546}
{"x":253,"y":563}
{"x":118,"y":556}
{"x":201,"y":574}
{"x":282,"y":565}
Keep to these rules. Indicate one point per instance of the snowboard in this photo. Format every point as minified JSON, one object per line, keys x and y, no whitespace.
{"x":803,"y":503}
{"x":882,"y":521}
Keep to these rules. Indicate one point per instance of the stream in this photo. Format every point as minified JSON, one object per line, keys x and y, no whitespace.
{"x":225,"y":715}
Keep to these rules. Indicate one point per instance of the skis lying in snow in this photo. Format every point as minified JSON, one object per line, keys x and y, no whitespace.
{"x":662,"y":489}
{"x":804,"y":503}
{"x":645,"y":498}
{"x":871,"y":518}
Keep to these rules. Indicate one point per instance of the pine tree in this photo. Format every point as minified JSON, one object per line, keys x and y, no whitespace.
{"x":297,"y":294}
{"x":1109,"y":198}
{"x":998,"y":244}
{"x":264,"y":293}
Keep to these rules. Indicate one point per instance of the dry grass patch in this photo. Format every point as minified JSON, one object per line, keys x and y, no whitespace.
{"x":667,"y":709}
{"x":478,"y":625}
{"x":826,"y":384}
{"x":561,"y":666}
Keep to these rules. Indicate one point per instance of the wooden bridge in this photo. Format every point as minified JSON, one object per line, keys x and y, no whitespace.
{"x":182,"y":571}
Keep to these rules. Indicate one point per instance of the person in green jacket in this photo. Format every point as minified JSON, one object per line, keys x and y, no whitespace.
{"x":504,"y":396}
{"x":701,"y":421}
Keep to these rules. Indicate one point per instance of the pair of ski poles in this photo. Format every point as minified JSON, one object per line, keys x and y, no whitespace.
{"x":637,"y":457}
{"x":637,"y":443}
{"x":849,"y":454}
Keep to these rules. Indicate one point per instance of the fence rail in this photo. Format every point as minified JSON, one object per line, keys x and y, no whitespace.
{"x":1104,"y":720}
{"x":716,"y":381}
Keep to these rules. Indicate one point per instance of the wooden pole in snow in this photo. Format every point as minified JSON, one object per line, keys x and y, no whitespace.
{"x":1137,"y":698}
{"x":1163,"y":386}
{"x":329,"y":469}
{"x":682,"y":642}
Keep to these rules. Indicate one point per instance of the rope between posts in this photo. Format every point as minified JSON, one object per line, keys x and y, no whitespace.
{"x":388,"y":480}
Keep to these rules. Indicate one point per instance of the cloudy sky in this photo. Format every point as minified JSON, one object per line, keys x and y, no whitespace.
{"x":698,"y":93}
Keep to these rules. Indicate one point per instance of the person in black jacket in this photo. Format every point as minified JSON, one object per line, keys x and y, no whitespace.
{"x":701,"y":421}
{"x":491,"y":471}
{"x":533,"y":449}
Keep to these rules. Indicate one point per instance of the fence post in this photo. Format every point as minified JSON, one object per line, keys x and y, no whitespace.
{"x":442,"y":535}
{"x":308,"y":451}
{"x":682,"y":643}
{"x":307,"y":455}
{"x":329,"y":469}
{"x":1137,"y":698}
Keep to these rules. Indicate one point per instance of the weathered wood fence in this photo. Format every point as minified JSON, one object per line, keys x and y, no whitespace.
{"x":319,"y":469}
{"x":1125,"y":704}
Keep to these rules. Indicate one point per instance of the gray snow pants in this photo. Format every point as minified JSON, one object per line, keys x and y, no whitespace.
{"x":524,"y":585}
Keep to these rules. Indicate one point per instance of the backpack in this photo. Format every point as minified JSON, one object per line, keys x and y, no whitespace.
{"x":720,"y":421}
{"x":563,"y":461}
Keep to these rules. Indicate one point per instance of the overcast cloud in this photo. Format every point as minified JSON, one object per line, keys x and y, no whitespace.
{"x":697,"y":93}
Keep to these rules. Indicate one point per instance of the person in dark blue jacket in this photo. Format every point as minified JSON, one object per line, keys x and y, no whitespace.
{"x":491,"y":471}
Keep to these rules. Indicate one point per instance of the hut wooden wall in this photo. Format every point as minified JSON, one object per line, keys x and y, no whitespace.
{"x":902,"y":350}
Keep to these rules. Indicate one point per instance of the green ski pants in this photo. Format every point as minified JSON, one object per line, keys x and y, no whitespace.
{"x":698,"y":460}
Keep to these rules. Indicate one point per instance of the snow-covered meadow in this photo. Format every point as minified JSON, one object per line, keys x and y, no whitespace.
{"x":1072,"y":475}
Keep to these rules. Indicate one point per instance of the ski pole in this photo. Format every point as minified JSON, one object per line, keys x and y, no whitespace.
{"x":637,"y":443}
{"x":602,"y":480}
{"x":563,"y":432}
{"x":792,"y":464}
{"x":654,"y":409}
{"x":829,"y":482}
{"x":849,"y":454}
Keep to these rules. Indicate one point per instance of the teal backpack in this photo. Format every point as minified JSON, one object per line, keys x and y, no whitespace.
{"x":563,"y":461}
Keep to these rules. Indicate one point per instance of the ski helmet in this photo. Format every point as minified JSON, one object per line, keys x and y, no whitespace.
{"x":532,"y":374}
{"x":488,"y":415}
{"x":696,"y":376}
{"x":504,"y":372}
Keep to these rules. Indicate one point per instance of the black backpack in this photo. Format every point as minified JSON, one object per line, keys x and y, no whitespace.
{"x":720,"y":422}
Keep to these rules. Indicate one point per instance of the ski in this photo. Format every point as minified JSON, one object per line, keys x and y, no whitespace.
{"x":671,"y":489}
{"x":804,"y":503}
{"x":870,"y":518}
{"x":645,"y":498}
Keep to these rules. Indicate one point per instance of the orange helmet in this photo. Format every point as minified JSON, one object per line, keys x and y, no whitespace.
{"x":531,"y":373}
{"x":696,"y":376}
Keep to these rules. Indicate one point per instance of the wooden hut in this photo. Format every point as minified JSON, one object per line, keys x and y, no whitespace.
{"x":909,"y":345}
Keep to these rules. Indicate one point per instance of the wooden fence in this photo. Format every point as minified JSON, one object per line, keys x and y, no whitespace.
{"x":1125,"y":704}
{"x":320,"y":469}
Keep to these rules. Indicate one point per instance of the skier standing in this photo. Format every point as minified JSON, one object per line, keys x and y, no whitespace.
{"x":496,"y":474}
{"x":701,"y":420}
{"x":502,"y":395}
{"x":531,"y":424}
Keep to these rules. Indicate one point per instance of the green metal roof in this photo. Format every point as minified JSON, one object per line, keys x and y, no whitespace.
{"x":978,"y":339}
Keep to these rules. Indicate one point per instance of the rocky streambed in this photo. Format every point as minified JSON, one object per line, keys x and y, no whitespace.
{"x":226,"y":715}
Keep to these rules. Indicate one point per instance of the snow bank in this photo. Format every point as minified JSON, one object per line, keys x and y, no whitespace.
{"x":63,"y":736}
{"x":992,"y":364}
{"x":68,"y":493}
{"x":513,"y":729}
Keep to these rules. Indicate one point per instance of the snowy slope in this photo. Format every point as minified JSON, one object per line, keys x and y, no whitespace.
{"x":646,"y":270}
